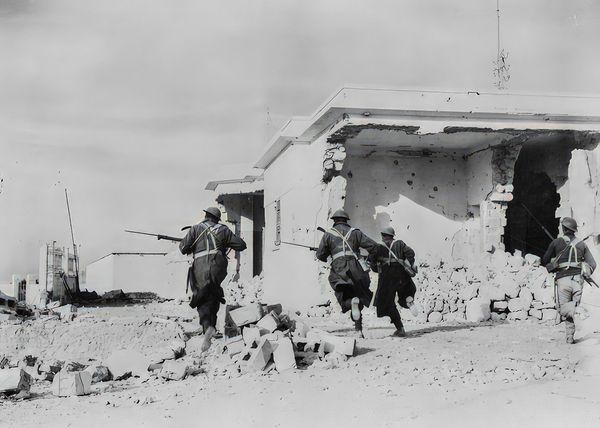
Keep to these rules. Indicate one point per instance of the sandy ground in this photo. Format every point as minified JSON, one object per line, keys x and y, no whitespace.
{"x":508,"y":375}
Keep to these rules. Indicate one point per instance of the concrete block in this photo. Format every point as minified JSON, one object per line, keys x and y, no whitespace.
{"x":251,"y":335}
{"x":174,"y":370}
{"x":268,"y":323}
{"x":66,"y":384}
{"x":277,"y":308}
{"x":126,"y":361}
{"x":235,"y":345}
{"x":519,"y":304}
{"x":283,"y":355}
{"x":246,"y":314}
{"x":478,"y":310}
{"x":342,"y":345}
{"x":14,"y":380}
{"x":261,"y":355}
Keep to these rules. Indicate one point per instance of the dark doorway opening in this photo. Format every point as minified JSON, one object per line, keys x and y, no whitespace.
{"x":531,"y":221}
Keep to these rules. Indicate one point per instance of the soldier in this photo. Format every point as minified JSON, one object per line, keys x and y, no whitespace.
{"x":572,"y":261}
{"x":209,"y":241}
{"x":348,"y":277}
{"x":394,"y":261}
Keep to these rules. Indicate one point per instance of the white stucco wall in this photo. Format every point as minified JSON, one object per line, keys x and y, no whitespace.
{"x":163,"y":275}
{"x":423,"y":198}
{"x":291,"y":273}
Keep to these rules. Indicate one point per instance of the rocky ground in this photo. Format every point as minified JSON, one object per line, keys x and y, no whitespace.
{"x":452,"y":374}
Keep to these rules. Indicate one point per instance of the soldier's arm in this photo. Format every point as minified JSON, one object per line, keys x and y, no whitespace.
{"x":186,"y":244}
{"x":547,"y":257}
{"x":372,"y":259}
{"x":589,"y":259}
{"x":323,"y":251}
{"x":233,"y":241}
{"x":366,"y":243}
{"x":407,"y":253}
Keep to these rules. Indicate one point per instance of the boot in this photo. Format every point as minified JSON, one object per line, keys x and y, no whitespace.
{"x":399,"y":332}
{"x":355,"y":309}
{"x":210,"y":332}
{"x":570,"y":330}
{"x":358,"y":328}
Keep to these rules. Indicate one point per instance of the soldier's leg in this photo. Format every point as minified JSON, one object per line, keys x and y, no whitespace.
{"x":207,"y":311}
{"x":566,"y":305}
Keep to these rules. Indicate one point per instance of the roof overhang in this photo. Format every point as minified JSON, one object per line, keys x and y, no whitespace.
{"x":247,"y":184}
{"x":433,"y":111}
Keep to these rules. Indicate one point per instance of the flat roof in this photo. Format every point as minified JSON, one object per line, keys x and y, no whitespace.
{"x":551,"y":111}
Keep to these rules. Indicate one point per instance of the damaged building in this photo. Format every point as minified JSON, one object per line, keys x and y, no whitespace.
{"x":457,"y":174}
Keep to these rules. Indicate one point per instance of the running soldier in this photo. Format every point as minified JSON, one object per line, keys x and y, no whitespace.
{"x":209,"y":241}
{"x":349,"y":277}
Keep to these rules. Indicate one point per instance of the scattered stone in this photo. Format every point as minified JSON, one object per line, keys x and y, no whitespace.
{"x":66,"y":312}
{"x":478,"y":310}
{"x":549,"y":314}
{"x":500,"y":306}
{"x":99,"y":373}
{"x":491,"y":292}
{"x":434,"y":317}
{"x":532,"y":259}
{"x":7,"y":317}
{"x":519,"y":304}
{"x":535,"y":313}
{"x":66,"y":384}
{"x":517,"y":315}
{"x":174,"y":370}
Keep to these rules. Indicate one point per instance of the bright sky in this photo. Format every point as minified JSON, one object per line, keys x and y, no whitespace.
{"x":133,"y":105}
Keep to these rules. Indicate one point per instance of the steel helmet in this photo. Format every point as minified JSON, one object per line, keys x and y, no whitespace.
{"x":388,"y":231}
{"x":569,"y":223}
{"x":340,"y":214}
{"x":213,"y":211}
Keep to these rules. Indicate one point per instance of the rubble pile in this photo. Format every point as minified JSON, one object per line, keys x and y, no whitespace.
{"x":244,"y":292}
{"x":258,"y":338}
{"x":500,"y":287}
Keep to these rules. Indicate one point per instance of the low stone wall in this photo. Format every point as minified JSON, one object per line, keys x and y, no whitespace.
{"x":500,"y":286}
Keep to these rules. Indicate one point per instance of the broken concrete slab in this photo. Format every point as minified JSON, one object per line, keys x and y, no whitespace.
{"x":300,"y":328}
{"x":246,"y":314}
{"x":251,"y":335}
{"x":66,"y":384}
{"x":125,"y":361}
{"x":532,"y":259}
{"x":283,"y":355}
{"x":234,"y":345}
{"x":14,"y":380}
{"x":342,"y":345}
{"x":535,"y":313}
{"x":519,"y":304}
{"x":268,"y":323}
{"x":260,"y":356}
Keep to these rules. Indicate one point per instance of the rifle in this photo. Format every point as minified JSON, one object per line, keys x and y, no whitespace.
{"x":158,"y":236}
{"x":300,"y":245}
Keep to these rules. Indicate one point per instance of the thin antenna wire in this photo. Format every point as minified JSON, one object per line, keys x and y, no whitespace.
{"x":498,"y":15}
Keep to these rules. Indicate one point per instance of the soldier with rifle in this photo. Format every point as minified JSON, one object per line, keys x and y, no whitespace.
{"x":208,"y":242}
{"x":571,"y":260}
{"x":395,"y":263}
{"x":349,"y":276}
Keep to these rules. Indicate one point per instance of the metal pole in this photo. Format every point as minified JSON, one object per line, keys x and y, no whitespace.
{"x":74,"y":246}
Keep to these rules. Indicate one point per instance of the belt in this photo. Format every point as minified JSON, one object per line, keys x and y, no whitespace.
{"x":342,"y":254}
{"x":205,"y":253}
{"x":568,"y":265}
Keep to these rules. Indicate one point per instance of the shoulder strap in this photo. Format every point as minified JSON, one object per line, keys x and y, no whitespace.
{"x":345,"y":240}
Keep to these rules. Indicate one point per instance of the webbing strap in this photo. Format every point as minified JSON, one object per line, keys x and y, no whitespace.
{"x":342,"y":254}
{"x":205,"y":253}
{"x":345,"y":241}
